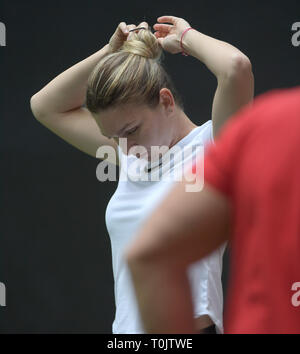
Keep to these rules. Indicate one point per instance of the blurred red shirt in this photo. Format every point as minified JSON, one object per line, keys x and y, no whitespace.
{"x":255,"y":162}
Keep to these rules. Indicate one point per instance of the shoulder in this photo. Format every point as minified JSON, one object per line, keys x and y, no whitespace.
{"x":205,"y":133}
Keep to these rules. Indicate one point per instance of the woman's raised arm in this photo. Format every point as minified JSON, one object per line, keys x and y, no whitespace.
{"x":231,"y":67}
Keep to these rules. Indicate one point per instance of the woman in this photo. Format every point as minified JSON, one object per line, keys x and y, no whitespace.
{"x":129,"y":95}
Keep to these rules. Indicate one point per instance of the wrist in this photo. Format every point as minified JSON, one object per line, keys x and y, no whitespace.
{"x":185,"y":41}
{"x":108,"y":48}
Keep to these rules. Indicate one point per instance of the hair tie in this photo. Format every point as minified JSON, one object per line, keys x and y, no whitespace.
{"x":137,"y":28}
{"x":183,"y":52}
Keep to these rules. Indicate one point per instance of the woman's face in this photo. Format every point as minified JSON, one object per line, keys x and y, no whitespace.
{"x":139,"y":125}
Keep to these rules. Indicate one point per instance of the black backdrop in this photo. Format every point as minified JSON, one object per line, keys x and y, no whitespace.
{"x":55,"y":254}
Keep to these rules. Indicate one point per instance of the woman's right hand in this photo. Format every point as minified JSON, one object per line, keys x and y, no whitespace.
{"x":122,"y":34}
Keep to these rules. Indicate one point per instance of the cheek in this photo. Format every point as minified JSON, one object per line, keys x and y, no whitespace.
{"x":150,"y":136}
{"x":145,"y":140}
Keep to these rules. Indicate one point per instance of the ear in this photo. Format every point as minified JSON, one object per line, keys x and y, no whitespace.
{"x":167,"y":99}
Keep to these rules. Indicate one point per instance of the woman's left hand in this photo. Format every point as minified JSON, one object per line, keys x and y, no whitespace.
{"x":169,"y":36}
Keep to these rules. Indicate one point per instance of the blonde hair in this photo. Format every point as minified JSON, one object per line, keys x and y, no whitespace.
{"x":132,"y":75}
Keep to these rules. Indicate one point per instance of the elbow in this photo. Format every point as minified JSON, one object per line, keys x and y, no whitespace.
{"x":240,"y":64}
{"x":35,"y":107}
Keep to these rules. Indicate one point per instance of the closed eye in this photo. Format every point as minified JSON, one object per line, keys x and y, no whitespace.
{"x":132,"y":131}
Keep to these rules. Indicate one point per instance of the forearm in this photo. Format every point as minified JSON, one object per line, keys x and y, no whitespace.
{"x":67,"y":91}
{"x":164,"y":297}
{"x":218,"y":56}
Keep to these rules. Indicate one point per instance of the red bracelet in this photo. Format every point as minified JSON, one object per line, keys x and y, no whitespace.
{"x":183,"y":52}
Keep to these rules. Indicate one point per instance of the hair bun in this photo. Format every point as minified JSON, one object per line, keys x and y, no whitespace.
{"x":144,"y":43}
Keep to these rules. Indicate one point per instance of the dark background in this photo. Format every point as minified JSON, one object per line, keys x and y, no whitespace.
{"x":55,"y":254}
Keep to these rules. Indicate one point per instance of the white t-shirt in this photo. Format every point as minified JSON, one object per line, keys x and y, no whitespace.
{"x":127,"y":209}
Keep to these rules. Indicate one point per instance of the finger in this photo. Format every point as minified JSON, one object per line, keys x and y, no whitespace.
{"x":162,"y":27}
{"x":160,"y":41}
{"x":171,"y":19}
{"x":130,"y":27}
{"x":143,"y":24}
{"x":160,"y":34}
{"x":122,"y":26}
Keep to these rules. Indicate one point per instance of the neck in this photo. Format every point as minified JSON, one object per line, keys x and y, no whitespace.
{"x":182,"y":127}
